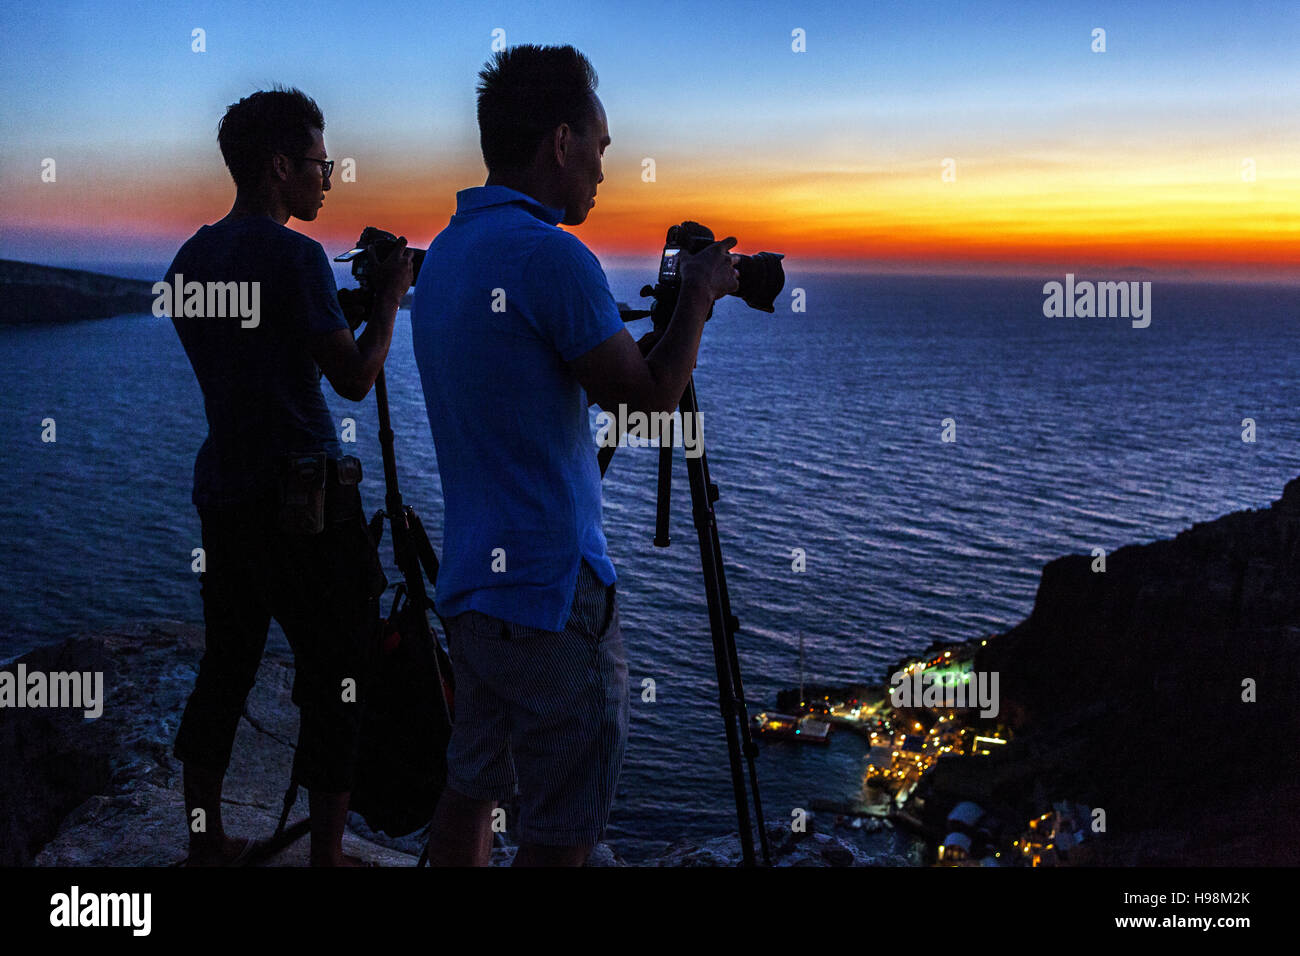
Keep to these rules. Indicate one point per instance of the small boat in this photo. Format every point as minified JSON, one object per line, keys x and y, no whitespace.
{"x":805,"y":730}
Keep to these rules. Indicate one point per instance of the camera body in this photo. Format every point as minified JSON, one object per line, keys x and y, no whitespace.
{"x":382,"y":244}
{"x":761,"y":276}
{"x":689,"y":237}
{"x":373,"y":246}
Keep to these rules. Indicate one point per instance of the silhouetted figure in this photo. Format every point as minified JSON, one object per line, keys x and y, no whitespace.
{"x":515,"y":329}
{"x":284,"y":533}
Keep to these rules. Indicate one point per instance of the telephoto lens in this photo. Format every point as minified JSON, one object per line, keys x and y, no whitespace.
{"x":762,"y":278}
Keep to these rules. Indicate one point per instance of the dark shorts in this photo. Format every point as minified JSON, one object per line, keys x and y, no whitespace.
{"x":544,"y":710}
{"x":322,"y":589}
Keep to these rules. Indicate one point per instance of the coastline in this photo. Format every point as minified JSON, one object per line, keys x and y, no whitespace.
{"x":1144,"y":712}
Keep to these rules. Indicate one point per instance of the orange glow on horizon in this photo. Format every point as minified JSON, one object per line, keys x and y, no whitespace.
{"x":1155,"y":214}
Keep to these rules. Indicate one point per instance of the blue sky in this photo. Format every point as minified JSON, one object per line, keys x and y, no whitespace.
{"x":711,"y":90}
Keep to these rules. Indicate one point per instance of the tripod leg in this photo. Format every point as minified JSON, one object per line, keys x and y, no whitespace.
{"x":662,"y":538}
{"x":724,"y":651}
{"x":732,"y":626}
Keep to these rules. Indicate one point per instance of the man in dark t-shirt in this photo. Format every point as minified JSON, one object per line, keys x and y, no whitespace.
{"x":274,"y":403}
{"x":284,"y":536}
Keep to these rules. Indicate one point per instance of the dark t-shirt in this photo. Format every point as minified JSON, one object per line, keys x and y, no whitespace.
{"x":261,"y":387}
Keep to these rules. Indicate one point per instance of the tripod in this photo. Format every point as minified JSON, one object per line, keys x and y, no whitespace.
{"x":420,"y":655}
{"x":412,"y":551}
{"x":723,"y":624}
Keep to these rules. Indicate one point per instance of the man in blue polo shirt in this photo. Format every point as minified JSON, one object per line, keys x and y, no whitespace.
{"x":515,"y":334}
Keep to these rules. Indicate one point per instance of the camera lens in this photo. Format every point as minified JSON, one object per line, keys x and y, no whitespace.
{"x":761,"y":280}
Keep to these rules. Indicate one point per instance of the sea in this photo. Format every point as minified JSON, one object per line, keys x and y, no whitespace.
{"x":845,"y":516}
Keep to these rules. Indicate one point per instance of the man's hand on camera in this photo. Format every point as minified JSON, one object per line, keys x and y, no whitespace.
{"x":355,"y":305}
{"x":393,"y":275}
{"x":712,"y":268}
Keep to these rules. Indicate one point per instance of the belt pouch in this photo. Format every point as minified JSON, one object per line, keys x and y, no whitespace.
{"x":301,"y":508}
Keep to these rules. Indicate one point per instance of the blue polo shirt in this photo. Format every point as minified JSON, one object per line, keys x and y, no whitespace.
{"x":503,"y":301}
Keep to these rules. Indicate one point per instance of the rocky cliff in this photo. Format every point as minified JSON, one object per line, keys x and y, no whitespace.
{"x":107,"y":792}
{"x":1162,"y":690}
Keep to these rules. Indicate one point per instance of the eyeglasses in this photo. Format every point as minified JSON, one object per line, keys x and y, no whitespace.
{"x":326,"y":165}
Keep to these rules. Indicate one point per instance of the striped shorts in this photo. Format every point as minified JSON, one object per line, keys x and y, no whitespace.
{"x":543,"y":711}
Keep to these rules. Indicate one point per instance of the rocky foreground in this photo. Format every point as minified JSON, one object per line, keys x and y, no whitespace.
{"x":107,"y":792}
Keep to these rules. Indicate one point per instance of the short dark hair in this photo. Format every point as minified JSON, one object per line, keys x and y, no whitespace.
{"x":279,"y":120}
{"x":524,"y":93}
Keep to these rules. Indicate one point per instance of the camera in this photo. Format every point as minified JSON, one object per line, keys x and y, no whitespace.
{"x":373,"y":246}
{"x":761,"y":275}
{"x":381,"y":243}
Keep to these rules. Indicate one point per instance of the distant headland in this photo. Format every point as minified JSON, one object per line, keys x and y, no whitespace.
{"x":32,"y":294}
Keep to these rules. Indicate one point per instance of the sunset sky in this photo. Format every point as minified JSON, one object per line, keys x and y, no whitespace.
{"x":1064,"y":158}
